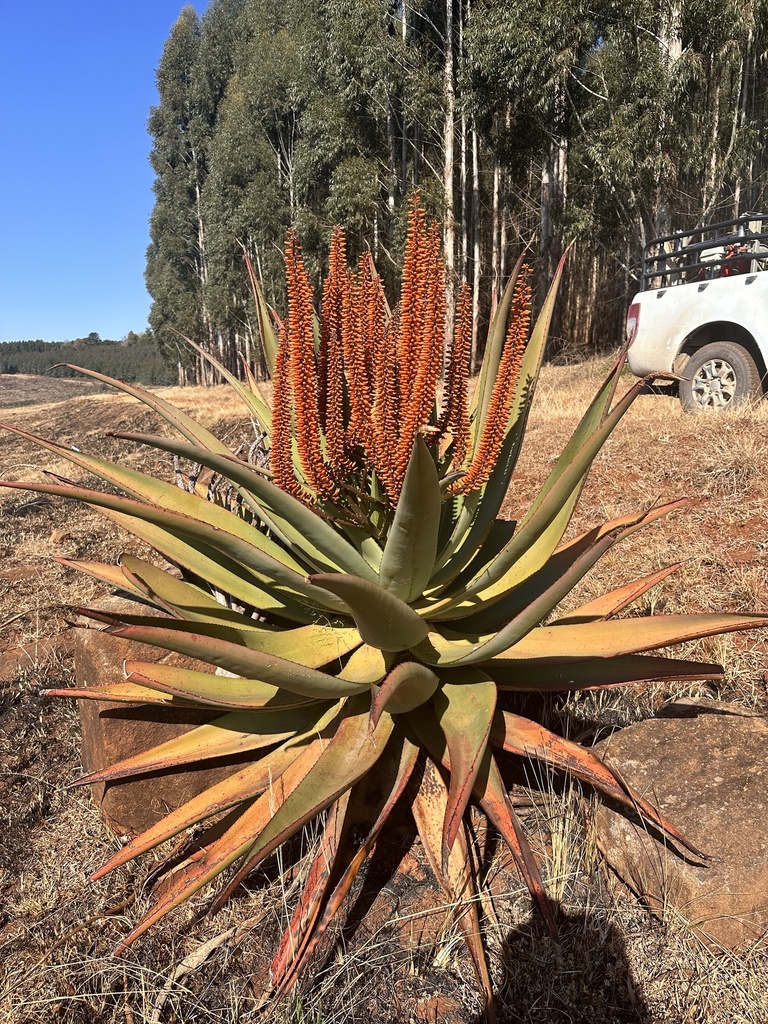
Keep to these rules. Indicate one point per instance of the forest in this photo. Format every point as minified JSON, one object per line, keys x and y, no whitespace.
{"x":597,"y":125}
{"x":135,"y":358}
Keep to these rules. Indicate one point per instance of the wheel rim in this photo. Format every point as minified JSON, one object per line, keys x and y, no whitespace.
{"x":714,"y":384}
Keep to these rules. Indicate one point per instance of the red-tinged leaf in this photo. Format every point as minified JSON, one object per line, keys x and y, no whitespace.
{"x":517,"y":735}
{"x":492,"y":796}
{"x":612,"y":637}
{"x":372,"y":801}
{"x":429,"y":805}
{"x":541,"y":675}
{"x":278,"y":814}
{"x":120,"y":693}
{"x":240,"y":787}
{"x":236,"y":733}
{"x":610,"y":604}
{"x":464,"y":709}
{"x":315,"y":888}
{"x":110,"y":574}
{"x":407,"y":686}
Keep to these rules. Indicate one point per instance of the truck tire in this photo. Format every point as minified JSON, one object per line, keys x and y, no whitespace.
{"x":719,"y":377}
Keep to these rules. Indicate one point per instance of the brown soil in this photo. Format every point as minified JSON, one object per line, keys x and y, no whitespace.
{"x":397,"y":958}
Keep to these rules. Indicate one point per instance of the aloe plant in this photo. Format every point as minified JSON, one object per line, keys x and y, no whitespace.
{"x":366,"y":600}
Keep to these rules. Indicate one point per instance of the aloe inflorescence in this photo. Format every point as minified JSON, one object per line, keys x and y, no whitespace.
{"x":365,"y":598}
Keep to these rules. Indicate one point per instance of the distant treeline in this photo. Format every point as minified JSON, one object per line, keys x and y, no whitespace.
{"x":135,"y":358}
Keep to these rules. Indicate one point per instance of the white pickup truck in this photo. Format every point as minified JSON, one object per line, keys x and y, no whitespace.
{"x":702,"y":312}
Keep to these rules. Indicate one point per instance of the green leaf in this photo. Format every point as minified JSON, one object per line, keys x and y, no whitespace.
{"x":407,"y":686}
{"x":542,"y":675}
{"x":384,"y":620}
{"x":306,"y":533}
{"x":267,"y":668}
{"x":232,"y":544}
{"x":213,"y":690}
{"x":409,"y":554}
{"x":185,"y":425}
{"x":255,"y":405}
{"x":464,"y":708}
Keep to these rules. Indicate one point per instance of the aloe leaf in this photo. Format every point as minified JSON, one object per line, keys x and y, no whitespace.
{"x":267,"y":668}
{"x":306,"y":532}
{"x":429,"y":804}
{"x":372,"y":800}
{"x":179,"y":598}
{"x":607,"y":605}
{"x":254,"y":403}
{"x":351,"y":752}
{"x":540,"y":531}
{"x":237,"y":733}
{"x":215,"y":691}
{"x":492,"y":796}
{"x":319,"y":879}
{"x":409,"y":554}
{"x":520,"y":736}
{"x":231,"y":544}
{"x":110,"y":574}
{"x":464,"y":709}
{"x":236,"y":789}
{"x":494,"y":348}
{"x":120,"y":693}
{"x":167,"y":495}
{"x":226,"y":574}
{"x":518,"y":599}
{"x":542,"y":675}
{"x":266,"y":331}
{"x":185,"y":425}
{"x":537,"y":605}
{"x":384,"y":620}
{"x":612,"y":637}
{"x":366,"y":666}
{"x":407,"y":686}
{"x":480,"y":509}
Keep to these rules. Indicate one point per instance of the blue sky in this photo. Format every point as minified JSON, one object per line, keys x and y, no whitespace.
{"x":77,"y":80}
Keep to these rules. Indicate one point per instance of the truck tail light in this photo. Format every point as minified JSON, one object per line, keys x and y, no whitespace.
{"x":633,"y":321}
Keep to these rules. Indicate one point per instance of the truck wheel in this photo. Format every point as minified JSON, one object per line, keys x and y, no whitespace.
{"x":719,"y":377}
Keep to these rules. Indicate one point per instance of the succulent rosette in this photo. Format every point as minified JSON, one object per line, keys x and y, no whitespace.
{"x":366,"y":602}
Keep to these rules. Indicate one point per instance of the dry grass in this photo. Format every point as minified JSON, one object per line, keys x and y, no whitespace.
{"x":397,"y":959}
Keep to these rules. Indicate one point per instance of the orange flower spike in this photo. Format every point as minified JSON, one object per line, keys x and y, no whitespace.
{"x":503,"y":392}
{"x":354,"y":360}
{"x":426,"y":370}
{"x":412,"y":295}
{"x":303,"y":370}
{"x":330,"y":392}
{"x":281,"y":460}
{"x":455,"y":413}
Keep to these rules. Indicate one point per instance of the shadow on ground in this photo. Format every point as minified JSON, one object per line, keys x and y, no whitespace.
{"x":586,"y":980}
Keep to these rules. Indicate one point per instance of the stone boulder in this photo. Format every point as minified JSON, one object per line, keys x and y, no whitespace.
{"x":705,"y":766}
{"x":112,"y":731}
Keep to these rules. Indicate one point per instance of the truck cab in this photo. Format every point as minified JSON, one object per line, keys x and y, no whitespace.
{"x":702,"y":312}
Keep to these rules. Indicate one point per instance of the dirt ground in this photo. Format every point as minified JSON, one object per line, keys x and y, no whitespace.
{"x":396,"y":958}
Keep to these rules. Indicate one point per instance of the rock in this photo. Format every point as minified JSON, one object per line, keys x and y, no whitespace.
{"x":704,"y":766}
{"x":113,"y":731}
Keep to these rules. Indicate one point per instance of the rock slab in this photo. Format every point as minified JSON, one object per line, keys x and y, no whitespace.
{"x":113,"y":731}
{"x":705,"y":766}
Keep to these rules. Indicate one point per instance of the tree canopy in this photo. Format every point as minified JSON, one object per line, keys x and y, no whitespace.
{"x":605,"y":123}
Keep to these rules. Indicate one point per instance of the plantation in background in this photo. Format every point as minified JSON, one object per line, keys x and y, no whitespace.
{"x":135,"y":358}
